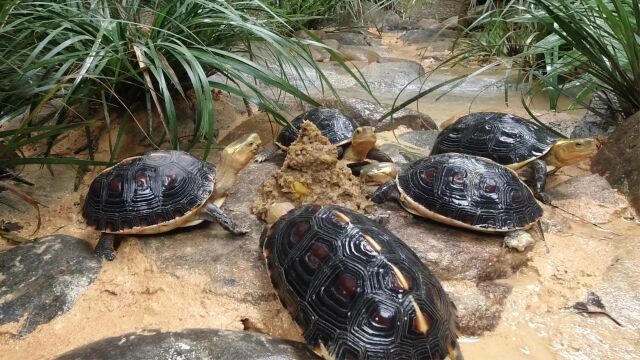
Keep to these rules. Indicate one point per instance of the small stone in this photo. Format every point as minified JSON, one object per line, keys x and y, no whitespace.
{"x":519,"y":240}
{"x":479,"y":306}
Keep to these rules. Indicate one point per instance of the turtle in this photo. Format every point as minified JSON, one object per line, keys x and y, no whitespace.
{"x":355,"y":289}
{"x":163,"y":190}
{"x":515,"y":142}
{"x":355,"y":143}
{"x":465,"y":191}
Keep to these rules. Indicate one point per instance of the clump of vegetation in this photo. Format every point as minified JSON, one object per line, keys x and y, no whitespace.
{"x":573,"y":48}
{"x":309,"y":14}
{"x":82,"y":59}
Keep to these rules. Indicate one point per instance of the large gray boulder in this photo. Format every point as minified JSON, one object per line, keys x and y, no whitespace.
{"x":42,"y":279}
{"x":192,"y":344}
{"x":237,"y":271}
{"x":367,"y":113}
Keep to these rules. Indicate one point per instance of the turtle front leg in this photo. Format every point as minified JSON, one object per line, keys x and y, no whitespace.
{"x":539,"y":168}
{"x":266,"y":153}
{"x":386,"y":192}
{"x":379,"y":155}
{"x":105,"y":249}
{"x":211,"y":212}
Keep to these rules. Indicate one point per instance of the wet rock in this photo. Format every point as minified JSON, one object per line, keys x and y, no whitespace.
{"x":42,"y":279}
{"x":590,"y":197}
{"x":593,"y":124}
{"x":428,"y":24}
{"x":429,"y":36}
{"x":192,"y":344}
{"x":234,"y":264}
{"x":452,"y":253}
{"x":620,"y":284}
{"x":357,"y":53}
{"x":593,"y":336}
{"x":479,"y":306}
{"x":422,"y":139}
{"x":619,"y":159}
{"x":444,"y":10}
{"x":319,"y":54}
{"x":392,"y":76}
{"x":349,"y":38}
{"x":390,"y":21}
{"x":367,"y":113}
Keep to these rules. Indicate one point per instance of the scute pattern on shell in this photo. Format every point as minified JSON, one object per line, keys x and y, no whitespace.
{"x":355,"y":288}
{"x":333,"y":125}
{"x":470,"y":189}
{"x":504,"y":138}
{"x":148,"y":190}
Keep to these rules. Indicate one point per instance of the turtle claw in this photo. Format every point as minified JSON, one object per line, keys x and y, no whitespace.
{"x":239,"y":229}
{"x":265,"y":154}
{"x":546,"y":199}
{"x":259,"y":158}
{"x":105,"y":254}
{"x":214,"y":214}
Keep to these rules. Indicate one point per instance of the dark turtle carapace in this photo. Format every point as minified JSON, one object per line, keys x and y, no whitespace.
{"x":355,"y":289}
{"x":515,"y":142}
{"x":355,"y":143}
{"x":465,"y":191}
{"x":163,"y":190}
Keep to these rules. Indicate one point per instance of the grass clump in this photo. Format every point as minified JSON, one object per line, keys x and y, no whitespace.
{"x":80,"y":59}
{"x":570,"y":48}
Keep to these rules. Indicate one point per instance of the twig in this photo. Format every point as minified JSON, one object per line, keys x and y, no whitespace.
{"x":27,"y":198}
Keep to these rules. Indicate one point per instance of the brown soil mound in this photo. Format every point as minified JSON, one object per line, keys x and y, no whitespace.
{"x":312,"y":174}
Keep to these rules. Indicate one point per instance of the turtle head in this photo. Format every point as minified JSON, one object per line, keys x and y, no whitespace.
{"x":570,"y":151}
{"x":238,"y":154}
{"x":233,"y":159}
{"x":379,"y":173}
{"x":364,"y":139}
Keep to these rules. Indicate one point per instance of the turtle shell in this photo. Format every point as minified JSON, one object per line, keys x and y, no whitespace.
{"x":355,"y":289}
{"x":333,"y":125}
{"x":467,"y":191}
{"x":148,"y":190}
{"x":504,"y":138}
